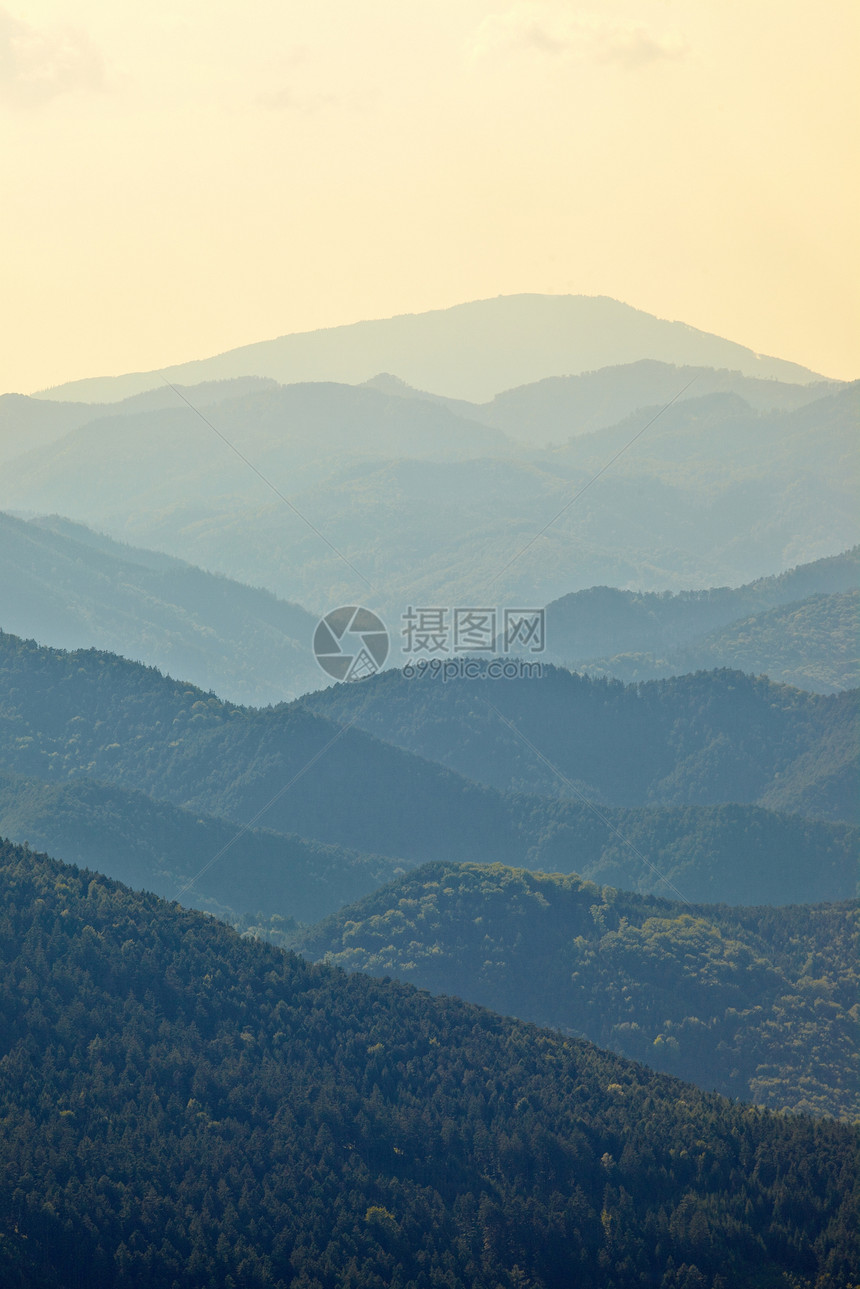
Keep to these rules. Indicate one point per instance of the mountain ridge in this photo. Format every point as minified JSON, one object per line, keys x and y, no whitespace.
{"x":72,"y":588}
{"x":712,"y":735}
{"x":512,"y":320}
{"x":715,"y":995}
{"x":46,"y":421}
{"x":811,"y":644}
{"x":429,"y":508}
{"x":557,"y":408}
{"x":180,"y":1105}
{"x":646,"y":635}
{"x":201,"y":859}
{"x":93,"y":715}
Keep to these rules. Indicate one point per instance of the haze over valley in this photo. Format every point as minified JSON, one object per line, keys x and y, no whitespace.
{"x":429,"y":647}
{"x":437,"y":501}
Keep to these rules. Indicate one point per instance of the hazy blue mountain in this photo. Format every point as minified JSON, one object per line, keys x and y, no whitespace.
{"x":722,"y":430}
{"x":183,"y":1107}
{"x":96,"y":716}
{"x":603,"y":620}
{"x":133,"y":469}
{"x":27,"y":423}
{"x":155,"y":846}
{"x":705,"y":738}
{"x":470,"y":351}
{"x":798,"y":627}
{"x":708,"y":496}
{"x":64,"y":585}
{"x":561,"y":407}
{"x":753,"y":1003}
{"x":810,"y":643}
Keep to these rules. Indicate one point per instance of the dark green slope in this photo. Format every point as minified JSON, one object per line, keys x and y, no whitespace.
{"x":159,"y":847}
{"x":183,"y":1108}
{"x":721,"y":854}
{"x":755,"y":1003}
{"x":707,"y":738}
{"x":99,"y":717}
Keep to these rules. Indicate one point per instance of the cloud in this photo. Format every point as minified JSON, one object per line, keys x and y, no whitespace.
{"x":538,"y":26}
{"x":39,"y":65}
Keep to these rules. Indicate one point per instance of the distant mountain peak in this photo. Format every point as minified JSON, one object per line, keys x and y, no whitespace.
{"x":469,"y":351}
{"x":388,"y":384}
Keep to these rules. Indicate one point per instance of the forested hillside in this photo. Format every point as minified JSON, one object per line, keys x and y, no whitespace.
{"x":811,"y":643}
{"x":429,"y":743}
{"x":64,"y":585}
{"x":604,"y":621}
{"x":711,"y":737}
{"x":155,"y":846}
{"x":100,"y":717}
{"x":180,"y":1105}
{"x":759,"y":1004}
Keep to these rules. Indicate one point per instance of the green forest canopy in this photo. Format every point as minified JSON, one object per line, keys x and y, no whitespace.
{"x":179,"y":1105}
{"x":757,"y":1003}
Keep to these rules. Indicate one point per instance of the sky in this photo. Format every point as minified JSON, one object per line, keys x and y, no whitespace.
{"x":183,"y":177}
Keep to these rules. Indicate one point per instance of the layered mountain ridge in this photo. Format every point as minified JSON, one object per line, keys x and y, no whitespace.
{"x":296,"y":771}
{"x":469,"y":351}
{"x":179,"y":1104}
{"x":732,"y":999}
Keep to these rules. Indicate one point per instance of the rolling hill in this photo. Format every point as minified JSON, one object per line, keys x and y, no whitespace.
{"x":429,"y":508}
{"x":253,"y":877}
{"x":353,"y":491}
{"x":179,"y":1105}
{"x":552,"y":410}
{"x":706,"y":738}
{"x":27,"y":422}
{"x":67,"y":586}
{"x":620,"y":1045}
{"x":64,"y":585}
{"x":167,"y":454}
{"x":811,"y":643}
{"x":95,"y":716}
{"x":754,"y":1003}
{"x":603,"y":621}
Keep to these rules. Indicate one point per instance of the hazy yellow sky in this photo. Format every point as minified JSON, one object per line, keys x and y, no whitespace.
{"x":181,"y":177}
